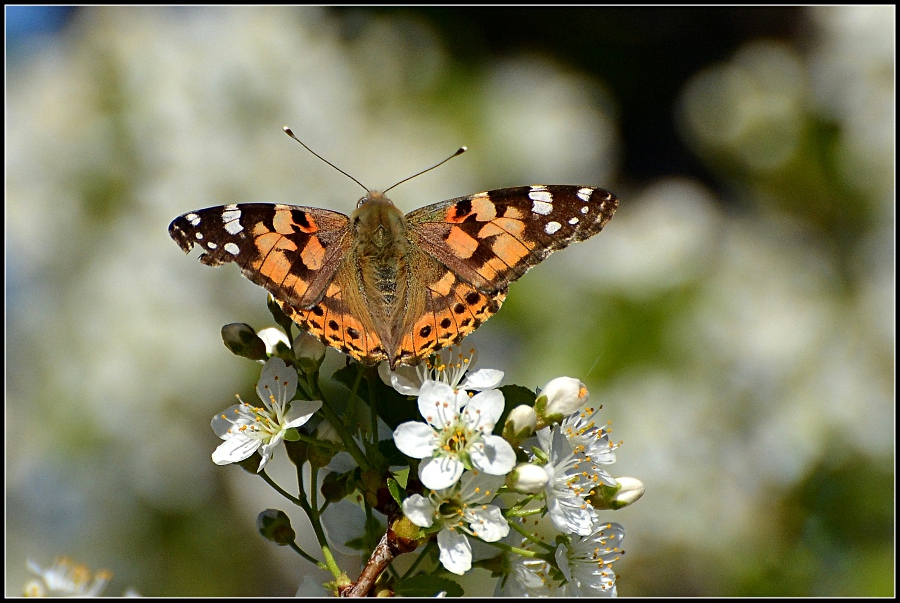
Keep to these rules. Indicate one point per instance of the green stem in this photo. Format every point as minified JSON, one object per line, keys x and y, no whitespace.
{"x":325,"y":444}
{"x":307,"y":556}
{"x":531,"y":537}
{"x":315,"y":521}
{"x":373,"y":420}
{"x":522,"y":512}
{"x":336,"y":422}
{"x":278,"y":488}
{"x":426,"y":550}
{"x":330,"y":563}
{"x":515,"y":549}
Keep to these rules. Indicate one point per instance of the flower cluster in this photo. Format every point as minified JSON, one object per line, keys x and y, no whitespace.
{"x":463,"y":464}
{"x":549,"y":459}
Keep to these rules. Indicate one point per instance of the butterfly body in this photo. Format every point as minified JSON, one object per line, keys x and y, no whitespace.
{"x":380,"y":285}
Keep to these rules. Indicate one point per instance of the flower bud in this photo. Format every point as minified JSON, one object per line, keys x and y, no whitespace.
{"x":527,"y":478}
{"x":560,"y":398}
{"x":242,"y":340}
{"x":519,"y":424}
{"x":626,"y":491}
{"x":276,"y":341}
{"x":319,"y":456}
{"x":275,"y":525}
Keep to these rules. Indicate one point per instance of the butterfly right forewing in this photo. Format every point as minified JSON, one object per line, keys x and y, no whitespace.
{"x":492,"y":238}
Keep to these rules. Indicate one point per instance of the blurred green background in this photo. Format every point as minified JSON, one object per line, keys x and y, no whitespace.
{"x":735,"y":319}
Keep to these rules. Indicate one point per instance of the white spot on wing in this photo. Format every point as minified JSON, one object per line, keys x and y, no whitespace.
{"x":552,"y":227}
{"x":573,"y":221}
{"x":232,"y":248}
{"x":540,"y":193}
{"x":198,"y":235}
{"x":233,"y":227}
{"x":193,"y":218}
{"x":585,"y":194}
{"x":584,"y":209}
{"x":541,"y":207}
{"x":231,"y":216}
{"x":212,"y":245}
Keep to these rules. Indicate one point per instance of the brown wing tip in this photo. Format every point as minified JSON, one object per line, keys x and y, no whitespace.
{"x":180,"y":235}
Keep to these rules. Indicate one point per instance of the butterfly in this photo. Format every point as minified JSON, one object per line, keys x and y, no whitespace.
{"x":379,"y":285}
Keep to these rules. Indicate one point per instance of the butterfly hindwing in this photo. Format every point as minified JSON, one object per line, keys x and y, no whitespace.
{"x":341,"y":319}
{"x":441,"y":310}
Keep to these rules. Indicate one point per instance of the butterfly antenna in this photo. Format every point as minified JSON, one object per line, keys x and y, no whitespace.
{"x":459,"y":152}
{"x":287,"y":131}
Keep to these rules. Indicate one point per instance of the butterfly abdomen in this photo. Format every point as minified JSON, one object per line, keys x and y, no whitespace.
{"x":380,"y":259}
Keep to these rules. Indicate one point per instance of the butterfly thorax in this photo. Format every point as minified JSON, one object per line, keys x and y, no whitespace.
{"x":380,"y":247}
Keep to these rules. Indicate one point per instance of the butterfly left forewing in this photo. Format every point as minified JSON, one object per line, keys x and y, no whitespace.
{"x":291,"y":251}
{"x":492,"y":238}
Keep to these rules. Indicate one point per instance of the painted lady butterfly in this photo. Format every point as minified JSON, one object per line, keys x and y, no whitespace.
{"x":379,"y":285}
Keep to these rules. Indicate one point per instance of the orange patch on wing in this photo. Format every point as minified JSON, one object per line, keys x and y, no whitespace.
{"x":513,"y":212}
{"x":492,"y":267}
{"x":461,"y":243}
{"x":443,"y":286}
{"x":284,"y":223}
{"x":502,"y":226}
{"x":266,"y":242}
{"x":509,"y":249}
{"x":313,"y":255}
{"x":485,"y":209}
{"x":276,"y":266}
{"x":293,"y":283}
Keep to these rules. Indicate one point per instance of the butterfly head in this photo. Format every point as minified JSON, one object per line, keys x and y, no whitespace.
{"x":374,"y":198}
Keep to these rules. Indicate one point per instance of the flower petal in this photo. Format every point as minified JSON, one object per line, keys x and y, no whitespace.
{"x":439,"y":404}
{"x":415,"y":439}
{"x":482,"y":379}
{"x":405,"y":379}
{"x":483,"y":410}
{"x":441,"y":472}
{"x":456,"y":554}
{"x":487,"y":523}
{"x":235,"y":449}
{"x":300,"y":412}
{"x":223,"y":422}
{"x":419,"y":510}
{"x":278,"y":381}
{"x":494,"y":456}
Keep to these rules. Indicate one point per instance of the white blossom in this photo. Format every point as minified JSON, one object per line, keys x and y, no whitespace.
{"x":586,"y":561}
{"x":460,"y":510}
{"x":566,"y":489}
{"x":65,"y":578}
{"x":247,"y":429}
{"x":450,"y":366}
{"x":561,"y":397}
{"x":456,"y":435}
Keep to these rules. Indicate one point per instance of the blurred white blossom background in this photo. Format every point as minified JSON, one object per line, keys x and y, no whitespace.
{"x":742,"y":342}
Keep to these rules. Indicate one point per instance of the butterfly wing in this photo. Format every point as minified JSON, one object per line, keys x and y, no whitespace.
{"x":467,"y":250}
{"x":342,"y":318}
{"x":441,"y":309}
{"x":293,"y":252}
{"x":492,"y":238}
